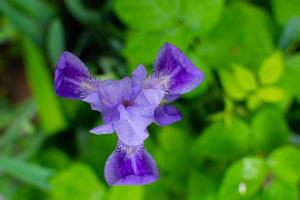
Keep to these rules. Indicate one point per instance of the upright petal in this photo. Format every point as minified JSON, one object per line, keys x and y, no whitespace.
{"x":72,"y":78}
{"x":176,"y":72}
{"x":139,"y":74}
{"x":130,"y":165}
{"x":166,"y":114}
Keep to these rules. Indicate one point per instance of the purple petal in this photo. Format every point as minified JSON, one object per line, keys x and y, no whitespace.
{"x":176,"y":72}
{"x":139,"y":74}
{"x":130,"y":165}
{"x":165,"y":115}
{"x":72,"y":78}
{"x":103,"y":129}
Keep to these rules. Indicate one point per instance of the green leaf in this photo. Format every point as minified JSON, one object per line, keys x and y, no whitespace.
{"x":201,"y":16}
{"x":243,"y":179}
{"x":246,"y":78}
{"x":253,"y":102}
{"x":271,"y":94}
{"x":232,"y":89}
{"x":25,"y":24}
{"x":26,"y":172}
{"x":126,"y":193}
{"x":51,"y":116}
{"x":269,"y":130}
{"x":285,"y":163}
{"x":271,"y":69}
{"x":285,"y":11}
{"x":160,"y":14}
{"x":55,"y":40}
{"x":237,"y":25}
{"x":278,"y":190}
{"x":78,"y":181}
{"x":223,"y":142}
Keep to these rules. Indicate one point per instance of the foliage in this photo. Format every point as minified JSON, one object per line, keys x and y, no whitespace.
{"x":239,"y":137}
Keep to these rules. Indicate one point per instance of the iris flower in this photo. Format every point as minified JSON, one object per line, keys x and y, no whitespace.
{"x":128,"y":106}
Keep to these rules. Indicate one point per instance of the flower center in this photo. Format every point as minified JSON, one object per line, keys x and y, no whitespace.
{"x":127,"y":103}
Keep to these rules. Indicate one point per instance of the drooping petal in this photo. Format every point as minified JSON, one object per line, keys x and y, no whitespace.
{"x":166,"y":114}
{"x":175,"y":71}
{"x":72,"y":78}
{"x":130,"y":165}
{"x":103,"y":129}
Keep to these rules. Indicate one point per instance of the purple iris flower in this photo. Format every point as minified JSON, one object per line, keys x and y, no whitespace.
{"x":128,"y":106}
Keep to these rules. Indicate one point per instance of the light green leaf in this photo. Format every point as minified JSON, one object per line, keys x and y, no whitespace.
{"x":285,"y":163}
{"x":55,"y":40}
{"x":202,"y":15}
{"x":271,"y":94}
{"x":271,"y":69}
{"x":243,"y":179}
{"x":279,"y":190}
{"x":51,"y":116}
{"x":246,"y":78}
{"x":269,"y":130}
{"x":253,"y":102}
{"x":126,"y":193}
{"x":76,"y":182}
{"x":160,"y":14}
{"x":26,"y":172}
{"x":244,"y":26}
{"x":232,"y":89}
{"x":221,"y":142}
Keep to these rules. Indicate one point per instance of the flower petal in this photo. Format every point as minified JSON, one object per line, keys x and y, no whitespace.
{"x":139,"y":74}
{"x":103,"y":129}
{"x":176,"y":72}
{"x":166,"y":114}
{"x":130,"y":165}
{"x":72,"y":78}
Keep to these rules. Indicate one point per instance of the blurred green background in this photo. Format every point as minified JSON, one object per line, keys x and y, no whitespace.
{"x":239,"y":137}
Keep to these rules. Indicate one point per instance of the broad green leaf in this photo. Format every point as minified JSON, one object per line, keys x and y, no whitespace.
{"x":143,"y":47}
{"x":29,"y":173}
{"x":253,"y":102}
{"x":126,"y":193}
{"x":223,"y":142}
{"x":269,"y":130}
{"x":271,"y":69}
{"x":55,"y":40}
{"x":78,"y":181}
{"x":160,"y":15}
{"x":243,"y":179}
{"x":285,"y":11}
{"x":279,"y":190}
{"x":201,"y":16}
{"x":232,"y":89}
{"x":51,"y":116}
{"x":201,"y":186}
{"x":270,"y":94}
{"x":55,"y":158}
{"x":285,"y":163}
{"x":25,"y":24}
{"x":246,"y":78}
{"x":244,"y":26}
{"x":7,"y":32}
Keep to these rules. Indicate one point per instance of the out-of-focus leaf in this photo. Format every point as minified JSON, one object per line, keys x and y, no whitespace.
{"x":271,"y":94}
{"x":246,"y":78}
{"x":26,"y":172}
{"x":285,"y":163}
{"x":25,"y":24}
{"x":55,"y":158}
{"x":7,"y":32}
{"x":40,"y":10}
{"x":142,"y":47}
{"x":201,"y":16}
{"x":51,"y":116}
{"x":126,"y":193}
{"x":201,"y":187}
{"x":285,"y":11}
{"x":76,"y":182}
{"x":271,"y":68}
{"x":278,"y":190}
{"x":80,"y":12}
{"x":232,"y":89}
{"x":223,"y":142}
{"x":290,"y":33}
{"x":55,"y":40}
{"x":269,"y":130}
{"x":253,"y":102}
{"x":160,"y":14}
{"x":243,"y":179}
{"x":237,"y":25}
